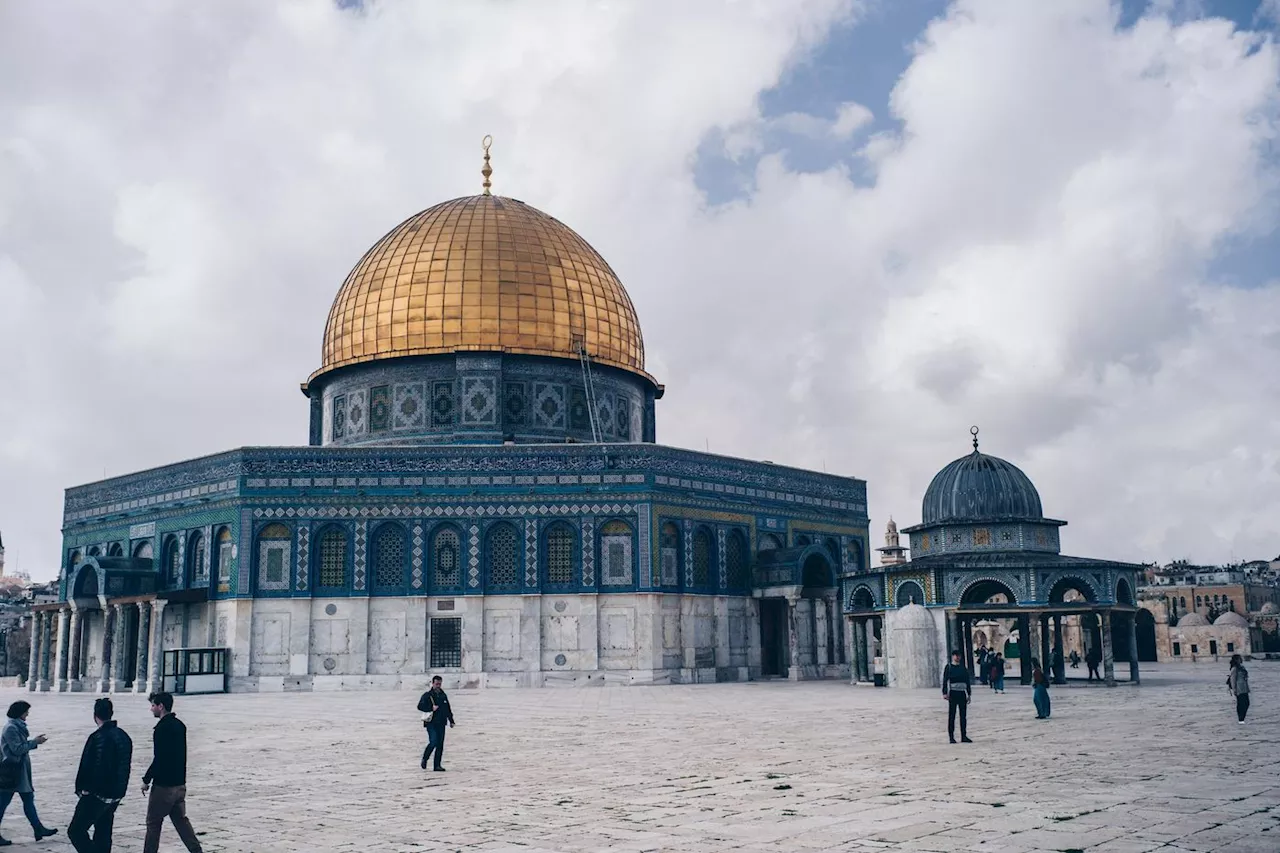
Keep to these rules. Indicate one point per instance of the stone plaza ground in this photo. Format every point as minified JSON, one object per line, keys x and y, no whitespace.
{"x":745,"y":767}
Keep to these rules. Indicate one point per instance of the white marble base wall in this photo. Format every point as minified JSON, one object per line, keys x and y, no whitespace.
{"x":571,"y":640}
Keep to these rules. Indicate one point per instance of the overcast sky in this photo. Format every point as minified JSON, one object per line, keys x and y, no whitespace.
{"x":850,"y":229}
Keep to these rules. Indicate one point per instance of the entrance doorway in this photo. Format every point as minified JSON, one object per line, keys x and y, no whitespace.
{"x":774,"y":637}
{"x":1146,"y":636}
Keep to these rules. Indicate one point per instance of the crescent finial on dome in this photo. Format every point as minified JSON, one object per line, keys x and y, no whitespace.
{"x":973,"y":431}
{"x":487,"y":170}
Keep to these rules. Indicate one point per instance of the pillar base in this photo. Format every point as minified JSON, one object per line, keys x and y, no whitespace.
{"x":42,"y":686}
{"x":140,"y":687}
{"x":118,"y":685}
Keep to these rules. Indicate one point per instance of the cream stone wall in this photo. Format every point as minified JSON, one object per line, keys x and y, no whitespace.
{"x":507,"y":641}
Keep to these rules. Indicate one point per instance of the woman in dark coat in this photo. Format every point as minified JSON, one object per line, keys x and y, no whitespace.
{"x":15,"y":768}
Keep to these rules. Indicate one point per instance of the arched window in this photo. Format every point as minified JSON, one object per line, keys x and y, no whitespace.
{"x":735,"y":561}
{"x":1199,"y":601}
{"x":1232,"y":604}
{"x":445,"y":548}
{"x":389,"y":557}
{"x":833,"y":548}
{"x":1183,"y":599}
{"x":116,"y":550}
{"x":74,"y":559}
{"x":95,"y":551}
{"x":769,"y":542}
{"x":195,"y":557}
{"x":803,"y":540}
{"x":274,"y":545}
{"x":333,"y":560}
{"x":224,"y":555}
{"x":615,"y":553}
{"x":559,"y":555}
{"x":703,"y":554}
{"x":173,"y":563}
{"x":502,"y":555}
{"x":909,"y":592}
{"x":142,"y":551}
{"x":672,"y":554}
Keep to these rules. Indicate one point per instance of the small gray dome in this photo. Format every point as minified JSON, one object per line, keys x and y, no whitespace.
{"x":1232,"y":618}
{"x":1192,"y":620}
{"x":913,"y":617}
{"x":979,"y":487}
{"x":1269,"y":608}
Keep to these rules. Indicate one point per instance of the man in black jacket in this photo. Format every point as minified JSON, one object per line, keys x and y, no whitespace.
{"x":101,"y":783}
{"x":957,"y":688}
{"x":436,"y":703}
{"x":166,"y":778}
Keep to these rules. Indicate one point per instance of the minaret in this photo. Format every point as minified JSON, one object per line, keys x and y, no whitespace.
{"x":1,"y":556}
{"x":892,"y":554}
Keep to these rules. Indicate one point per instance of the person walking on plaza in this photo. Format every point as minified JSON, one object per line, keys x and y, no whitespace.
{"x":1093,"y":658}
{"x":957,"y":689}
{"x":101,"y":782}
{"x":1075,"y":659}
{"x":984,"y":661}
{"x":1040,"y":691}
{"x":436,"y":714}
{"x":997,"y":673}
{"x":1238,"y":684}
{"x":15,"y":769}
{"x":166,"y":778}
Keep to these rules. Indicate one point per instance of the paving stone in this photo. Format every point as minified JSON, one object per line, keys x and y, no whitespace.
{"x":743,"y":767}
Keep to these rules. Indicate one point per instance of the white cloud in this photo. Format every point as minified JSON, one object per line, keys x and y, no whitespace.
{"x":180,"y":198}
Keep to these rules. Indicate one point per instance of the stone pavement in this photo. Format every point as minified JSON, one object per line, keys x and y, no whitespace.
{"x":746,"y":767}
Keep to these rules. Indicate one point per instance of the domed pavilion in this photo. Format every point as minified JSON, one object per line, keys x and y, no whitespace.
{"x":481,"y":496}
{"x":984,"y":556}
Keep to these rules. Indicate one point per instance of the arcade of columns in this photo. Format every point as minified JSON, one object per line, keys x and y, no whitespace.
{"x":58,"y":662}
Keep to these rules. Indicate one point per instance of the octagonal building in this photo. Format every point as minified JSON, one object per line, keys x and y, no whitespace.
{"x":482,"y":497}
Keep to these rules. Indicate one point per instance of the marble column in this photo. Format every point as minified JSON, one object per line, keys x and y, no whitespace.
{"x":1025,"y":649}
{"x":107,"y":650}
{"x":859,"y":650}
{"x":157,"y":646}
{"x":64,"y":649}
{"x":1133,"y":649}
{"x":793,"y":641}
{"x":119,"y":653}
{"x":140,"y":681}
{"x":1108,"y":654}
{"x":966,"y":634}
{"x":1060,"y":665}
{"x":953,"y":634}
{"x":77,"y":648}
{"x":1046,"y":659}
{"x":37,"y":639}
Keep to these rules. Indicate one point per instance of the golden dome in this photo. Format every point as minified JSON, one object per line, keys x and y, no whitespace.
{"x":482,"y":273}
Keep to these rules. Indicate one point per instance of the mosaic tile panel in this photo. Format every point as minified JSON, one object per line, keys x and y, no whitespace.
{"x":408,"y":406}
{"x":473,"y":556}
{"x":604,"y":415}
{"x":303,"y":554}
{"x":339,"y":425}
{"x":549,"y":405}
{"x":442,"y":404}
{"x":515,"y":404}
{"x":622,"y":419}
{"x":479,"y":401}
{"x":724,"y":566}
{"x":531,"y":553}
{"x":579,"y":414}
{"x":357,"y":413}
{"x":417,"y":576}
{"x":588,"y":552}
{"x":645,"y":537}
{"x":362,"y":530}
{"x":688,"y":554}
{"x":380,"y":408}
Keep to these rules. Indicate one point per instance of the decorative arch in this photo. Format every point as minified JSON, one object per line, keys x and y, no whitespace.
{"x":115,"y":549}
{"x":195,"y":557}
{"x":502,"y":558}
{"x":671,"y":554}
{"x":143,"y":550}
{"x":87,"y":581}
{"x":446,"y":557}
{"x":769,"y":542}
{"x":863,"y":597}
{"x":172,"y":562}
{"x":704,"y":558}
{"x":832,"y":545}
{"x":390,"y":553}
{"x":1124,"y":592}
{"x":1062,"y":585}
{"x":95,"y":551}
{"x":559,"y":542}
{"x":332,"y":559}
{"x":616,"y":538}
{"x":274,"y":553}
{"x":908,"y":592}
{"x":737,"y":569}
{"x":856,"y":556}
{"x":981,"y":590}
{"x":816,"y":571}
{"x":225,"y":553}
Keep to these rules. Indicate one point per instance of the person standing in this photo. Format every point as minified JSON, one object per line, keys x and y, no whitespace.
{"x":436,"y":714}
{"x":15,"y":769}
{"x":166,"y":778}
{"x":957,"y":689}
{"x":1238,"y":684}
{"x":997,"y":673}
{"x":101,"y":782}
{"x":1040,"y":691}
{"x":984,"y":660}
{"x":1092,"y":658}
